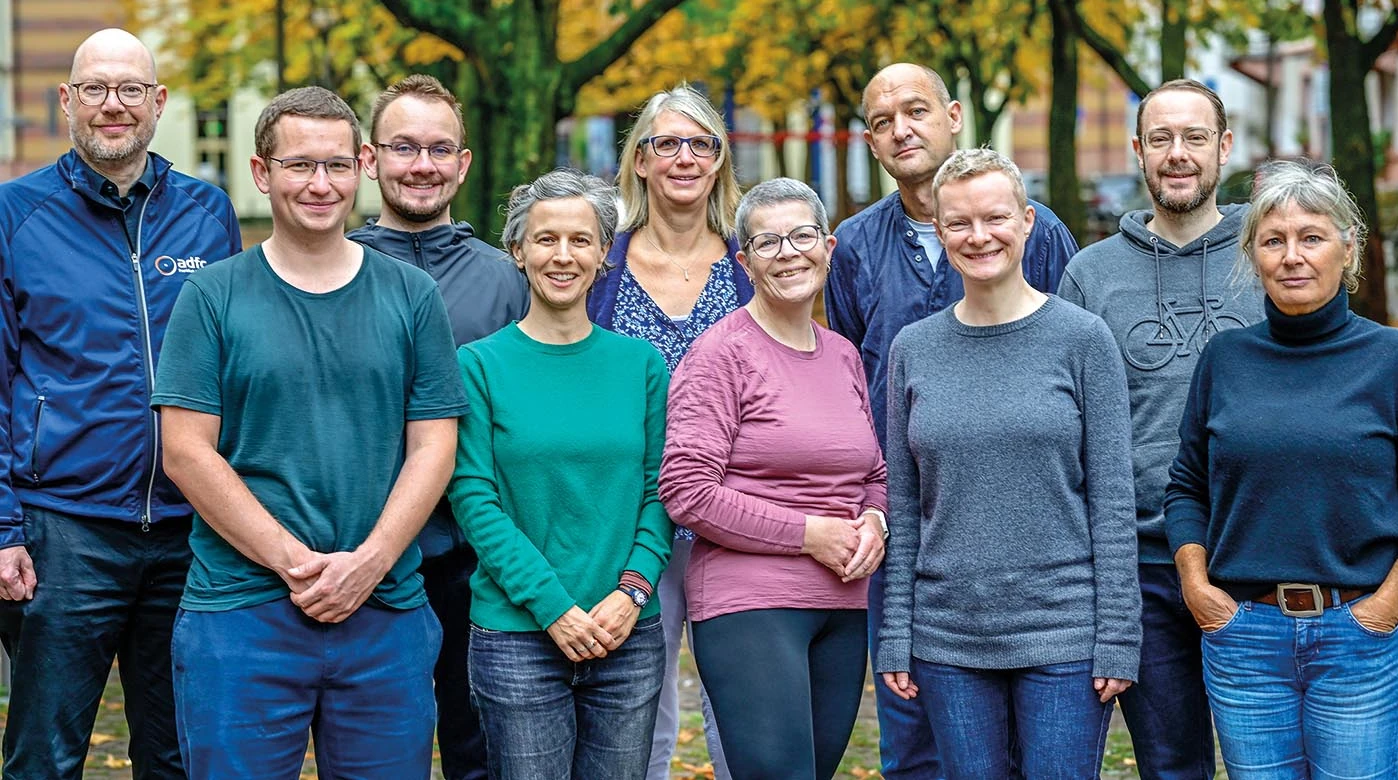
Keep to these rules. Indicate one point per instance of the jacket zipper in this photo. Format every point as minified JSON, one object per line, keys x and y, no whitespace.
{"x":150,"y":361}
{"x":418,"y":259}
{"x":34,"y":453}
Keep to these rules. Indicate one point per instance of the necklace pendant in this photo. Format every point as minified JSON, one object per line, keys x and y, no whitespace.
{"x":686,"y":273}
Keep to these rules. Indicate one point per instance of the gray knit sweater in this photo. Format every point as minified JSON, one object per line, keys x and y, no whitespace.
{"x":1012,"y":519}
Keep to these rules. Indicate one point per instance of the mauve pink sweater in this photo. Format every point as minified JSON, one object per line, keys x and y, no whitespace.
{"x":759,"y":435}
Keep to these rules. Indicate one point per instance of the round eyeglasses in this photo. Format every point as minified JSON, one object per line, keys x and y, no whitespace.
{"x":1195,"y":139}
{"x":769,"y":245}
{"x":94,"y":93}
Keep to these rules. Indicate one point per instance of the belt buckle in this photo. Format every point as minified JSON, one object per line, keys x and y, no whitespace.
{"x":1317,"y":599}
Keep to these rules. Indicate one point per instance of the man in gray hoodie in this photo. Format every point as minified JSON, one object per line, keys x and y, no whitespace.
{"x":1164,"y":285}
{"x":417,"y":153}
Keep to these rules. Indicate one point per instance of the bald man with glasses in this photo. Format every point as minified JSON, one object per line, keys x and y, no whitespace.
{"x":93,"y":536}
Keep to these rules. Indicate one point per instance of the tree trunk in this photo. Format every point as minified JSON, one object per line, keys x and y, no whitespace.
{"x":1270,"y":122}
{"x":986,"y":119}
{"x":1174,"y":27}
{"x":779,"y":131}
{"x":1063,"y":142}
{"x":1353,"y":153}
{"x":844,"y":114}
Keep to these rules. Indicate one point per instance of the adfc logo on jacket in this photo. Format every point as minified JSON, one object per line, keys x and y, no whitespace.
{"x":169,"y":266}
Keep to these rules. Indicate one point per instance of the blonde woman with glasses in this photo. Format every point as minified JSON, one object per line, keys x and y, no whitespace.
{"x":673,"y":273}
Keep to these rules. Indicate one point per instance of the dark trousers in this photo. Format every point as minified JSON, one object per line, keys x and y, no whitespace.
{"x":447,"y":579}
{"x":1167,"y":711}
{"x":785,"y":685}
{"x":105,"y":590}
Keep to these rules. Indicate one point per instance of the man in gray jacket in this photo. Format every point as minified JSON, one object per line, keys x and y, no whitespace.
{"x":417,"y":153}
{"x":1164,"y":285}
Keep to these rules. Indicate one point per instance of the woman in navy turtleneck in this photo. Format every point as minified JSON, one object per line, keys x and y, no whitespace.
{"x":1282,"y":508}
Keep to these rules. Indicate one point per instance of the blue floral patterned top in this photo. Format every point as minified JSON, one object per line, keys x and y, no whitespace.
{"x":618,"y":303}
{"x":638,"y":315}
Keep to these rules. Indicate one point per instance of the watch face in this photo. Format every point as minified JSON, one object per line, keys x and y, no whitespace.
{"x":638,"y":596}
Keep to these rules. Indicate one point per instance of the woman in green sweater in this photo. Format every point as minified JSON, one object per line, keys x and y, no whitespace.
{"x":555,"y":487}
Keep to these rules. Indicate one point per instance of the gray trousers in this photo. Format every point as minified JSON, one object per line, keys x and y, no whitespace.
{"x":673,"y":612}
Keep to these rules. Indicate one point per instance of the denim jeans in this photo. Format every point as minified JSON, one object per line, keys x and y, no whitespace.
{"x":447,"y":579}
{"x":786,"y":686}
{"x":106,"y":590}
{"x":1303,"y":698}
{"x":907,"y":747}
{"x":1048,"y":717}
{"x":674,"y":616}
{"x":1167,"y":710}
{"x":250,"y":683}
{"x":547,"y":718}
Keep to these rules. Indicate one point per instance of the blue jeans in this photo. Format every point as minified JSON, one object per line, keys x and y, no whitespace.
{"x":1048,"y":717}
{"x":547,"y":718}
{"x":250,"y":683}
{"x":1167,"y":710}
{"x":106,"y":590}
{"x":785,"y":685}
{"x":1303,"y":698}
{"x":907,"y":747}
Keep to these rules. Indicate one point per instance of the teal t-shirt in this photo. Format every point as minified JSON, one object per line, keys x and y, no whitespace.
{"x":556,"y":473}
{"x":314,"y":391}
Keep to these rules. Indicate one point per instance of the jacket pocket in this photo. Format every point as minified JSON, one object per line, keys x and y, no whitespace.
{"x":38,"y":429}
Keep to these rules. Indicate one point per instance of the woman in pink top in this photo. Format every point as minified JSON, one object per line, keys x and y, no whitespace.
{"x":771,"y":459}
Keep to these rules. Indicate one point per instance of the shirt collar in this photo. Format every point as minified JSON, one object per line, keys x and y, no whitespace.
{"x":100,"y":184}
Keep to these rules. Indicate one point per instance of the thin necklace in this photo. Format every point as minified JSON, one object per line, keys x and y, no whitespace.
{"x":683,"y":269}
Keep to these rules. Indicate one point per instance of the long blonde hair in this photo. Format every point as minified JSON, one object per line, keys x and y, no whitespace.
{"x":687,"y":102}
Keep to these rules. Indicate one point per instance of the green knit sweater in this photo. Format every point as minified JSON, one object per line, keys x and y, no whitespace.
{"x":556,"y":467}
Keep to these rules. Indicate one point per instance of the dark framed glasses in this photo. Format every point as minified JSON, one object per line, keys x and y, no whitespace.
{"x":699,"y":145}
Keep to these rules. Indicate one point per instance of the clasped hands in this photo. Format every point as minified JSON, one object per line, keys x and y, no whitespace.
{"x":852,"y":549}
{"x":329,"y":587}
{"x":590,"y":635}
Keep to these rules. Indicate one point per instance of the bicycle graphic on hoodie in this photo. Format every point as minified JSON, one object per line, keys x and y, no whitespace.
{"x":1154,"y":341}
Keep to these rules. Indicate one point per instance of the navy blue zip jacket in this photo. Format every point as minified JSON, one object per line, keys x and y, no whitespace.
{"x":83,"y":319}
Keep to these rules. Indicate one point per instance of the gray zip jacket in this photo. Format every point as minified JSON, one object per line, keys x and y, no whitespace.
{"x":484,"y":292}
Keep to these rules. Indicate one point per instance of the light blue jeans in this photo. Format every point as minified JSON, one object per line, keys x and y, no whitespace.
{"x":1311,"y":698}
{"x":546,"y":718}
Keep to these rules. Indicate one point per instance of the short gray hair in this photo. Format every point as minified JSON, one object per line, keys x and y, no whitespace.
{"x":772,"y":192}
{"x":559,"y":184}
{"x":970,"y":163}
{"x":1313,"y":188}
{"x":688,"y":103}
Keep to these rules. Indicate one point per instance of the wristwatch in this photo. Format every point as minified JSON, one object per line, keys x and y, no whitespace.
{"x":638,"y":596}
{"x":883,"y":519}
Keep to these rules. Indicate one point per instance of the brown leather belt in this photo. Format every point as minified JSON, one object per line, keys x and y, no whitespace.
{"x":1305,"y":600}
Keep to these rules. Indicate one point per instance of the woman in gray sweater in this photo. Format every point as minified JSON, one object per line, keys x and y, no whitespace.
{"x":1011,"y":604}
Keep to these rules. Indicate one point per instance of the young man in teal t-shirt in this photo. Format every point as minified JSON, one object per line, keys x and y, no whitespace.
{"x":309,"y":399}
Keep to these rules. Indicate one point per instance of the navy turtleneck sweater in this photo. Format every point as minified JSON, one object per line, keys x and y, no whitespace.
{"x":1288,"y":467}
